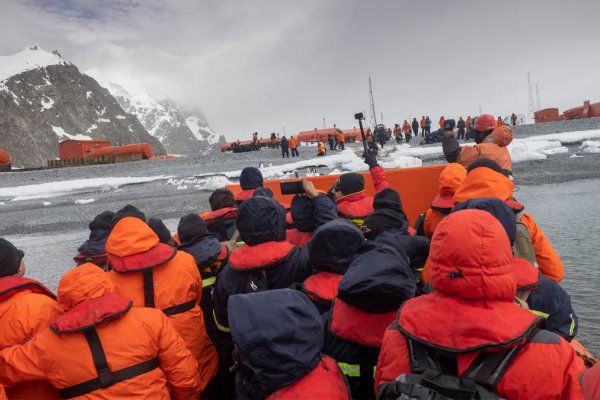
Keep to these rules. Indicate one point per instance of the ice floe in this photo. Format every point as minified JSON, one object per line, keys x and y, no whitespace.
{"x":84,"y":201}
{"x":590,"y":146}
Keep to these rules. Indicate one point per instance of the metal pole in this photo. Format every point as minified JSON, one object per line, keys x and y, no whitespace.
{"x":362,"y":133}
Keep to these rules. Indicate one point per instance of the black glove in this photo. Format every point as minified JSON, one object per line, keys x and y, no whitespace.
{"x":371,"y":159}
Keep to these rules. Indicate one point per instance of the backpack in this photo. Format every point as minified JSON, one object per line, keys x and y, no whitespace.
{"x":434,"y":375}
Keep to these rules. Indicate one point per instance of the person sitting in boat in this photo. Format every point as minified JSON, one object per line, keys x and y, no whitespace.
{"x":156,"y":275}
{"x":590,"y":382}
{"x":265,"y":261}
{"x":491,"y":142}
{"x":220,"y":221}
{"x":449,"y":330}
{"x":92,"y":250}
{"x":321,"y":149}
{"x":27,"y":308}
{"x":376,"y":283}
{"x":103,"y":348}
{"x":269,"y":364}
{"x":308,"y":211}
{"x":250,"y":179}
{"x":349,"y":191}
{"x":451,"y":178}
{"x":164,"y":234}
{"x":485,"y":178}
{"x":331,"y":250}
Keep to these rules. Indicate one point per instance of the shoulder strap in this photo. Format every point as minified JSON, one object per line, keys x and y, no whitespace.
{"x":220,"y":222}
{"x":148,"y":278}
{"x":105,"y":377}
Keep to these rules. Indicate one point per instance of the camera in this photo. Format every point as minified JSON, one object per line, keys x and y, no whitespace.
{"x":359,"y":116}
{"x":294,"y":187}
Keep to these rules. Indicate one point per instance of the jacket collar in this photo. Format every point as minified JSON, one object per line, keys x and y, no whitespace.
{"x":358,"y":326}
{"x":262,"y":255}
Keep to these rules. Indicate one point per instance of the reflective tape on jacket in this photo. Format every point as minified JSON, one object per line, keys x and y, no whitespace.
{"x":351,"y":370}
{"x":219,"y":326}
{"x":209,"y":281}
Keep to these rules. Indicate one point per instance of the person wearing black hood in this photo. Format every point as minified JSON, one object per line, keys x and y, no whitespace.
{"x":285,"y":146}
{"x":92,"y":250}
{"x":388,"y":222}
{"x":265,"y":261}
{"x":282,"y":359}
{"x":161,"y":230}
{"x":308,"y":211}
{"x":331,"y":250}
{"x":376,"y":283}
{"x":250,"y":179}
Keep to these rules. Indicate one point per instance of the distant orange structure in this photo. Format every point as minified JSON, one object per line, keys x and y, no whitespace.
{"x":320,"y":135}
{"x":69,"y":149}
{"x":587,"y":110}
{"x":145,"y":149}
{"x":5,"y":163}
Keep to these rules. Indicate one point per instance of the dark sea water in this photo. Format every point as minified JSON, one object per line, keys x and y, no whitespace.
{"x":561,"y":192}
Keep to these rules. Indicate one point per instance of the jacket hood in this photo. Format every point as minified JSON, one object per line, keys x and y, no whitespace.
{"x":161,"y":230}
{"x":481,"y":270}
{"x":378,"y":280}
{"x":204,"y":248}
{"x":502,"y":136}
{"x":484,"y":182}
{"x":251,"y":178}
{"x":333,"y":246}
{"x":82,"y":283}
{"x":279,"y":335}
{"x":127,"y":211}
{"x":387,"y":198}
{"x":303,"y":213}
{"x":99,"y":230}
{"x":263,"y":191}
{"x":386,"y":218}
{"x":190,"y":228}
{"x":451,"y":178}
{"x":503,"y":213}
{"x":261,"y":220}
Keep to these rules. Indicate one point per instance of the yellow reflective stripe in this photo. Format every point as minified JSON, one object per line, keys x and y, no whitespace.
{"x":540,"y":313}
{"x":351,"y":370}
{"x":572,"y":327}
{"x":209,"y":281}
{"x":357,"y":221}
{"x":219,"y":326}
{"x":374,"y":371}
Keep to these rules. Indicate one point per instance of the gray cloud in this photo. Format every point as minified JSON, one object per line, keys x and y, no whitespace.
{"x":262,"y":65}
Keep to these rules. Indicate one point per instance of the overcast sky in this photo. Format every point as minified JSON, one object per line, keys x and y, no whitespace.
{"x":262,"y":65}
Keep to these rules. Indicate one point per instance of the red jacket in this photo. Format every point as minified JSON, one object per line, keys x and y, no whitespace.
{"x":298,"y":238}
{"x":359,"y":205}
{"x":471,"y":310}
{"x":591,"y":383}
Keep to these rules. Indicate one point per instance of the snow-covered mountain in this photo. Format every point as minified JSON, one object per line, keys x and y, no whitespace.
{"x":44,"y":99}
{"x":179,"y":130}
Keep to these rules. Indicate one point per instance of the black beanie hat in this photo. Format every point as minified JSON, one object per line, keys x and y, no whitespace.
{"x":127,"y":211}
{"x":387,"y":198}
{"x":350,"y":183}
{"x":159,"y":227}
{"x":449,"y":124}
{"x":251,"y":178}
{"x":99,"y":230}
{"x":10,"y":258}
{"x":190,"y":227}
{"x":263,"y":191}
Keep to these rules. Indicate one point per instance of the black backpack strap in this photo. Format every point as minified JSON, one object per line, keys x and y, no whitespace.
{"x":419,"y":358}
{"x":220,"y":222}
{"x":180,"y":308}
{"x":105,"y":377}
{"x":148,"y":277}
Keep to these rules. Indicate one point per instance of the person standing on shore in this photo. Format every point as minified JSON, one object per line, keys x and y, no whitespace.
{"x":423,"y":124}
{"x":285,"y":145}
{"x":294,"y":146}
{"x":513,"y":119}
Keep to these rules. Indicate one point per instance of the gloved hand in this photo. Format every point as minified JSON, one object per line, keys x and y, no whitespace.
{"x":371,"y":159}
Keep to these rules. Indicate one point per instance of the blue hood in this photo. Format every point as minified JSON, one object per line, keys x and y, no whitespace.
{"x":503,"y":213}
{"x":333,"y":246}
{"x":99,"y":230}
{"x":279,"y":336}
{"x":378,"y":280}
{"x":261,"y":220}
{"x":251,"y":178}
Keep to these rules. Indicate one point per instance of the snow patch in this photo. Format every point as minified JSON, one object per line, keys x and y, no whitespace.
{"x":91,"y":128}
{"x":121,"y":116}
{"x":30,"y":58}
{"x":590,"y":146}
{"x":46,"y":203}
{"x":208,"y":183}
{"x":47,"y":103}
{"x":182,"y":187}
{"x":84,"y":201}
{"x":103,"y":120}
{"x":60,"y":132}
{"x":88,"y":94}
{"x":193,"y":123}
{"x":566,"y":137}
{"x":76,"y":186}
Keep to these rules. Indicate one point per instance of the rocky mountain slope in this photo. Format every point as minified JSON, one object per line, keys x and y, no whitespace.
{"x":45,"y":99}
{"x":180,"y":131}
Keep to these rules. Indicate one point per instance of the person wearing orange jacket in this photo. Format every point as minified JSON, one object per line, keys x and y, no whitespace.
{"x":26,"y":308}
{"x":156,"y":275}
{"x":341,"y":139}
{"x":590,"y":381}
{"x":491,"y":142}
{"x":485,"y":178}
{"x":294,"y":146}
{"x":103,"y":348}
{"x":442,"y":122}
{"x":471,"y":317}
{"x":451,"y":178}
{"x":423,"y":124}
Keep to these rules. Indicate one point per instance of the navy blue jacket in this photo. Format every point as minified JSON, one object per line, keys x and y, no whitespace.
{"x":376,"y":283}
{"x":278,"y":335}
{"x":310,"y":213}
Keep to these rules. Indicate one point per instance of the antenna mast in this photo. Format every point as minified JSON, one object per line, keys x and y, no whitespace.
{"x":372,"y":105}
{"x":531,"y":109}
{"x":537,"y":94}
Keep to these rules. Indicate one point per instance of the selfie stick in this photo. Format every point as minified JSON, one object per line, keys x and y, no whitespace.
{"x":359,"y":117}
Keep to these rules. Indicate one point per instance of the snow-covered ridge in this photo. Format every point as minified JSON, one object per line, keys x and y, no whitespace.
{"x":76,"y":186}
{"x":30,"y":58}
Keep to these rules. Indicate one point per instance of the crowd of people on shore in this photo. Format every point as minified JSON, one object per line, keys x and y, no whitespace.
{"x":333,"y":296}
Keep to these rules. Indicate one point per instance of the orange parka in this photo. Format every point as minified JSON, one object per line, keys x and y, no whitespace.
{"x":25,"y":310}
{"x":136,"y":255}
{"x":485,"y":182}
{"x":423,"y":123}
{"x":293,"y":143}
{"x":128,"y":336}
{"x":494,"y":147}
